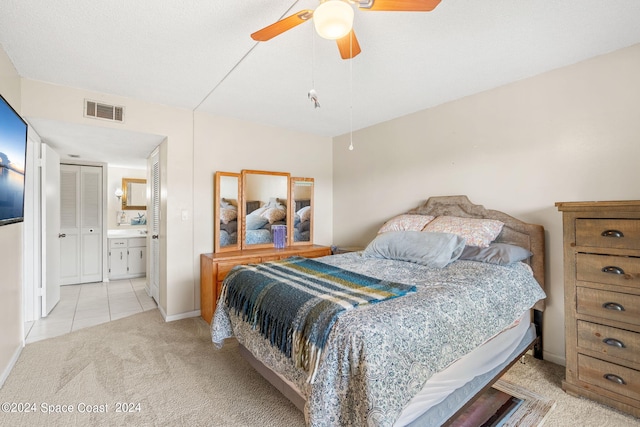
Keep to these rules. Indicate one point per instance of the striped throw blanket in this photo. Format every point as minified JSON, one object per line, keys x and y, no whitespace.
{"x":295,"y":302}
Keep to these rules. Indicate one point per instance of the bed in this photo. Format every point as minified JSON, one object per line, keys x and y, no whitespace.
{"x":454,"y":322}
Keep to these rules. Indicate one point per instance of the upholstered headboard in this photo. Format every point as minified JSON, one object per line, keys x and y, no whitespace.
{"x":515,"y":232}
{"x":251,"y":205}
{"x":302,"y":203}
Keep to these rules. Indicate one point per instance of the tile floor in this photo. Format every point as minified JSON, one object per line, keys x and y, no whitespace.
{"x":90,"y":304}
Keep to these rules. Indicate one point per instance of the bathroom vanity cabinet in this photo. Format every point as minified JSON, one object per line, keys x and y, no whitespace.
{"x":127,"y":257}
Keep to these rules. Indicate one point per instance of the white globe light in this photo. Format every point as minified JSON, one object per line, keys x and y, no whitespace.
{"x":333,"y":19}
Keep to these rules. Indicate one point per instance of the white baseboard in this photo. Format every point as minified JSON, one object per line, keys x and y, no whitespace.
{"x":554,"y":358}
{"x":12,"y":363}
{"x":162,"y":313}
{"x":180,"y":316}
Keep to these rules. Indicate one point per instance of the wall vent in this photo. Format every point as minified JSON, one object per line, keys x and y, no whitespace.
{"x":98,"y":110}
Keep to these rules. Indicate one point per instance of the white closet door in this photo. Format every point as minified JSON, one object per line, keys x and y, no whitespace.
{"x":69,"y":224}
{"x":81,"y":224}
{"x":91,"y":224}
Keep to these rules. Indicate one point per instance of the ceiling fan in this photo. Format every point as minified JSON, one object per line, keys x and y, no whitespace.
{"x":333,"y":20}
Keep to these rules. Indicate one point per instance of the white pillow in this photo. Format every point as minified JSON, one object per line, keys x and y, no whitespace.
{"x":274,"y":214}
{"x":476,"y":231}
{"x":304,"y":213}
{"x":227,"y":215}
{"x":406,"y":222}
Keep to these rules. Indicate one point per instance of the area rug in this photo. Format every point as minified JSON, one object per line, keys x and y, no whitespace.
{"x":505,"y":405}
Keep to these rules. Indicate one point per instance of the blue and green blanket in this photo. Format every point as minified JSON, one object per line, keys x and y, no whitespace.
{"x":295,"y":302}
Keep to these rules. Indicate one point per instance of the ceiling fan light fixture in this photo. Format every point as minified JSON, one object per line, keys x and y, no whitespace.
{"x":333,"y":19}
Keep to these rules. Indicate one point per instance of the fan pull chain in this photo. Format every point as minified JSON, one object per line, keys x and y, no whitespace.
{"x":312,"y":94}
{"x":351,"y":92}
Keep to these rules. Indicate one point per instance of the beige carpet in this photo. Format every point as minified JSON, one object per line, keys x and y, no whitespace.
{"x":171,"y":375}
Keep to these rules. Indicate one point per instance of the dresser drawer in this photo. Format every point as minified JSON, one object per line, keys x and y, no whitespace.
{"x":274,"y":258}
{"x":609,"y":376}
{"x":608,"y":233}
{"x":608,"y":269}
{"x":610,"y":341}
{"x":609,"y":305}
{"x":225,"y":267}
{"x":117,"y":243}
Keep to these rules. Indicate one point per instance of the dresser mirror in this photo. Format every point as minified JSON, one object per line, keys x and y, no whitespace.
{"x":265,"y":197}
{"x":302,"y":210}
{"x":248,"y":204}
{"x":134,"y":194}
{"x":227,"y":211}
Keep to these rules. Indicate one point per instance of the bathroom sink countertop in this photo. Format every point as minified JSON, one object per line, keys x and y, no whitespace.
{"x":129,"y":232}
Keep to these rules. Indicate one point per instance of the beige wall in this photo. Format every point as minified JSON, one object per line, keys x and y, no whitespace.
{"x":42,"y":100}
{"x":230,"y":145}
{"x":570,"y":134}
{"x":566,"y":135}
{"x":188,"y":166}
{"x":10,"y":250}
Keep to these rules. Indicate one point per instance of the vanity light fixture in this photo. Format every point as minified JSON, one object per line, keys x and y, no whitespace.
{"x":333,"y":19}
{"x":118,"y":193}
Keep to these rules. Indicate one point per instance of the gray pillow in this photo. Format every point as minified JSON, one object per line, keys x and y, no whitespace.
{"x":429,"y":249}
{"x":496,"y":253}
{"x":255,"y":222}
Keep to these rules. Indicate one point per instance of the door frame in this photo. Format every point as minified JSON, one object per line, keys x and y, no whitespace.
{"x":32,"y":300}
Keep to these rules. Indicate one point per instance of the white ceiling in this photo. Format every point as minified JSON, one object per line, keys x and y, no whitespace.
{"x":197,"y":54}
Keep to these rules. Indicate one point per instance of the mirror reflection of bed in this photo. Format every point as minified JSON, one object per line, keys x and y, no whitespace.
{"x":302,"y":196}
{"x":251,"y":207}
{"x":265,"y":194}
{"x":227,"y":211}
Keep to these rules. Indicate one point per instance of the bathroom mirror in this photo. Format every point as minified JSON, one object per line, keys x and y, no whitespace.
{"x":301,"y":211}
{"x":227,"y":211}
{"x":134,"y":194}
{"x":264,"y":204}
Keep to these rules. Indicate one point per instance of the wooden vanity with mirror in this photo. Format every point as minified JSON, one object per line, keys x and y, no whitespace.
{"x":248,"y":206}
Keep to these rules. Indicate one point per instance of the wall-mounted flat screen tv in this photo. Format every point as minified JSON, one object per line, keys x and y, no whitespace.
{"x":13,"y":153}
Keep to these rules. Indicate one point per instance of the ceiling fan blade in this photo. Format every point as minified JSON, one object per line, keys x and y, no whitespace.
{"x":399,"y":5}
{"x":349,"y":46}
{"x":277,"y":28}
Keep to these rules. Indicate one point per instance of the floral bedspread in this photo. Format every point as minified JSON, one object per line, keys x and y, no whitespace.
{"x":378,"y":357}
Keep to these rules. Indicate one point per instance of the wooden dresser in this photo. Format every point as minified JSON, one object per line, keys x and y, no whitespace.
{"x":215,"y":266}
{"x":602,"y":301}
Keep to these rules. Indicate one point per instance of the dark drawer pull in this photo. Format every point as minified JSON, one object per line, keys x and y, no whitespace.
{"x":612,"y":233}
{"x":614,"y":378}
{"x":613,"y":306}
{"x":612,"y":270}
{"x":613,"y":342}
